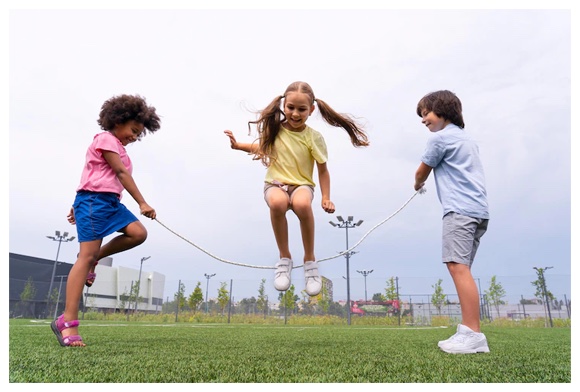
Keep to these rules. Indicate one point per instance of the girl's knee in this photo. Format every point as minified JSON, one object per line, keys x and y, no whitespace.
{"x":137,"y":232}
{"x":278,"y":207}
{"x":141,"y":235}
{"x":302,"y":210}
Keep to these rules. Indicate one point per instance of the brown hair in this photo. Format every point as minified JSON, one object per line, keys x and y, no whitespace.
{"x":270,"y":119}
{"x":444,"y":104}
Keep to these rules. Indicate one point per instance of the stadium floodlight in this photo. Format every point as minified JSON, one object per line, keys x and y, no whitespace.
{"x":365,"y":273}
{"x":139,"y":281}
{"x":60,"y":239}
{"x":208,"y":277}
{"x":347,"y":225}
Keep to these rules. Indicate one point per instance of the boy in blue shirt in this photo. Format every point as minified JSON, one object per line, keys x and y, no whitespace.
{"x":459,"y":178}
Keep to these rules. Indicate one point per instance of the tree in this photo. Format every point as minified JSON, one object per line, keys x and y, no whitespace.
{"x":438,"y":298}
{"x":122,"y":304}
{"x":378,"y":297}
{"x":131,"y":298}
{"x":26,"y":296}
{"x":324,"y":299}
{"x":288,"y":299}
{"x":542,"y":292}
{"x":179,"y":296}
{"x":195,"y":298}
{"x":135,"y":296}
{"x":262,"y":302}
{"x":526,"y":301}
{"x":248,"y":305}
{"x":52,"y":300}
{"x":495,"y":293}
{"x":336,"y":309}
{"x":223,"y":296}
{"x":391,"y":290}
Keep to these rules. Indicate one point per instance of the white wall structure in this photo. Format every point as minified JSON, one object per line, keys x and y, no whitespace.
{"x":114,"y":283}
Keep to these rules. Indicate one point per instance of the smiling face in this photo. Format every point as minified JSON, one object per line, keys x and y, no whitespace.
{"x":297,"y":109}
{"x":129,"y":132}
{"x":433,"y":121}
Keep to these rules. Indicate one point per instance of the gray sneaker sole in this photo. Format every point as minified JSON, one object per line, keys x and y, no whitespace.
{"x":450,"y":350}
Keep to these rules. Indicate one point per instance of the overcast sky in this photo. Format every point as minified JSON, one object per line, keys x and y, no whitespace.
{"x":208,"y":70}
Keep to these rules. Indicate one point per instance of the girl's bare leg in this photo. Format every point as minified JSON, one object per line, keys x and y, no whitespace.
{"x":279,"y":203}
{"x":76,"y":282}
{"x":302,"y":207}
{"x":90,"y":252}
{"x":132,"y":235}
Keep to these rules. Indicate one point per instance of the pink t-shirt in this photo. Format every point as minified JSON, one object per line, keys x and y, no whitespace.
{"x":97,"y":175}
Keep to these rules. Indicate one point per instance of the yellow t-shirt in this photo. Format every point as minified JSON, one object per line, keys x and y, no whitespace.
{"x":295,"y":156}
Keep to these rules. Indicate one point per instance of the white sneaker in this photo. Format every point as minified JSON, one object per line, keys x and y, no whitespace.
{"x":445,"y":342}
{"x":313,"y":281}
{"x":465,"y":341}
{"x":282,"y":278}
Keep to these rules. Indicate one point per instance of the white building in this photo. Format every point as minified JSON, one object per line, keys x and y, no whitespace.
{"x":112,"y":287}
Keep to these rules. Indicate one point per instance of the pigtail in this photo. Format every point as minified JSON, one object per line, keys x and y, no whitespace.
{"x":268,"y":127}
{"x":357,"y":135}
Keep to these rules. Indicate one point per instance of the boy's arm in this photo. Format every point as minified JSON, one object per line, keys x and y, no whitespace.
{"x":421,"y":175}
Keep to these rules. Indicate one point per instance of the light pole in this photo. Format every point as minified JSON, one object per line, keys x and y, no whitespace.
{"x":545,"y":291}
{"x":58,"y":298}
{"x":60,"y":238}
{"x":139,"y":281}
{"x":365,"y":273}
{"x":347,"y":224}
{"x":480,"y":299}
{"x":208,"y":277}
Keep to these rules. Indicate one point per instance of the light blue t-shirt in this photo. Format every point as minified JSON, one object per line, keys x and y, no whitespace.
{"x":458,"y":172}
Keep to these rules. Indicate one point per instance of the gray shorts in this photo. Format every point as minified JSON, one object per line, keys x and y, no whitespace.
{"x":461,"y":235}
{"x":289,"y":189}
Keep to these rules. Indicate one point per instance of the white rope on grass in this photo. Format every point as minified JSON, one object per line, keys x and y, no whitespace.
{"x":420,"y":191}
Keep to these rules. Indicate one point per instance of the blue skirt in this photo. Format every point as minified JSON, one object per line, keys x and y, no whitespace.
{"x":99,"y":214}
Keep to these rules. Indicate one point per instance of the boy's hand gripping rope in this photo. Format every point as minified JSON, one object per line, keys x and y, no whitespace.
{"x":420,"y":191}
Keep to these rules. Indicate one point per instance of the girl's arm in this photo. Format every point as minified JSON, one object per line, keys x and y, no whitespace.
{"x":114,"y":160}
{"x":251,"y":148}
{"x":421,"y":175}
{"x":324,"y":180}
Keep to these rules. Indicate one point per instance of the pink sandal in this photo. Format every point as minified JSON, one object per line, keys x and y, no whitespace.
{"x":91,"y":277}
{"x":60,"y":325}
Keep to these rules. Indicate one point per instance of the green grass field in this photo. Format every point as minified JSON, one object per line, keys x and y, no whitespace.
{"x":140,"y":352}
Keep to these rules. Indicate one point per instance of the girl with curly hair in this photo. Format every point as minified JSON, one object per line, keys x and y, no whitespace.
{"x":97,"y":210}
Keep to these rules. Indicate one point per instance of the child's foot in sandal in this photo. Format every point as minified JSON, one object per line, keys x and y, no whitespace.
{"x":73,"y":339}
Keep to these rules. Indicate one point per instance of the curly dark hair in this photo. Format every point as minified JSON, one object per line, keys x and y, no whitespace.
{"x":124,"y":108}
{"x":444,"y":104}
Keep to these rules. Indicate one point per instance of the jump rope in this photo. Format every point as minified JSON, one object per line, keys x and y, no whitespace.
{"x":420,"y":191}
